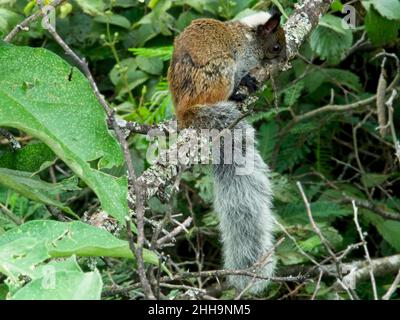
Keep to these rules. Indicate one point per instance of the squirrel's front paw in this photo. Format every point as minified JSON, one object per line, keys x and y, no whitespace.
{"x":238,"y":97}
{"x":250,"y":82}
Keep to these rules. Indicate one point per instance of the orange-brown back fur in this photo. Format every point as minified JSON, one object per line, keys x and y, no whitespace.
{"x":202,"y":68}
{"x":211,"y":58}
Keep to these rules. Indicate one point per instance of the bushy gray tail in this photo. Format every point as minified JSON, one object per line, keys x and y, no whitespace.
{"x":243,"y":199}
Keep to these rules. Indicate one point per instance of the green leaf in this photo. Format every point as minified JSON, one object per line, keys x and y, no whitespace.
{"x":374,"y":179}
{"x":34,"y":188}
{"x":30,"y":158}
{"x":330,"y":40}
{"x":375,"y":23}
{"x":114,"y":19}
{"x":66,"y":285}
{"x":69,"y":264}
{"x":387,"y":8}
{"x":332,"y":22}
{"x":337,"y":5}
{"x":135,"y":79}
{"x":310,"y":244}
{"x":150,"y":65}
{"x":8,"y":19}
{"x":390,"y":231}
{"x":127,"y":66}
{"x":64,"y":239}
{"x":63,"y":114}
{"x":3,"y":291}
{"x":20,"y":256}
{"x":92,"y":7}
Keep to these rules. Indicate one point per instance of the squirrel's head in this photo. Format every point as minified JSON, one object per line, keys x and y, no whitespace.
{"x":269,"y":34}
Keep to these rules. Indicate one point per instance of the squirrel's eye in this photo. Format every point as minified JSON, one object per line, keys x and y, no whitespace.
{"x":276,"y":48}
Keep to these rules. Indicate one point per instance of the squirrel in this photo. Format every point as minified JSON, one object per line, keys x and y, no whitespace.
{"x":210,"y":61}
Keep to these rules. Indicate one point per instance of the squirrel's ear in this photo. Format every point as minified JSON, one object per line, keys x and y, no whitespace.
{"x":273,"y":22}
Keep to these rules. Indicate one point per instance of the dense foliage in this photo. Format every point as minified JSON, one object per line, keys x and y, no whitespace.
{"x":69,"y":170}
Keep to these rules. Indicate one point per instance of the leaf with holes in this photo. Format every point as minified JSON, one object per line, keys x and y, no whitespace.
{"x":44,"y":96}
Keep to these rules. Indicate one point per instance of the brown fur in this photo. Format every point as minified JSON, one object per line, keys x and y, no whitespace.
{"x":203,"y":65}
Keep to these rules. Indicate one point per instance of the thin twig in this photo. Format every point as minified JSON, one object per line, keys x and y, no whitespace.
{"x":366,"y":251}
{"x":396,"y":142}
{"x":32,"y":18}
{"x":318,"y":285}
{"x":145,"y":285}
{"x":326,"y":243}
{"x":17,"y":220}
{"x":392,"y":288}
{"x":181,"y":227}
{"x":15,"y":145}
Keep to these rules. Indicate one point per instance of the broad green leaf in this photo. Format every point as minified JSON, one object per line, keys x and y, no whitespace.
{"x":34,"y":188}
{"x":387,"y":8}
{"x":185,"y":18}
{"x":330,"y":41}
{"x":20,"y":256}
{"x":375,"y":23}
{"x":64,"y":239}
{"x":332,"y":22}
{"x":68,"y":264}
{"x":150,"y":65}
{"x":8,"y":19}
{"x":44,"y":96}
{"x":114,"y":19}
{"x":66,"y":285}
{"x":388,"y":229}
{"x":92,"y":7}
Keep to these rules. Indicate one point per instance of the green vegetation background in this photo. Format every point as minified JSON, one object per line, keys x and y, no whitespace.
{"x":336,"y":155}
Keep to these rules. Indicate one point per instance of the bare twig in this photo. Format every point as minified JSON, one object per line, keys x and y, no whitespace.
{"x":374,"y":208}
{"x":15,"y":145}
{"x":326,"y":243}
{"x":217,"y":273}
{"x":366,"y":251}
{"x":396,"y":142}
{"x":24,"y":25}
{"x":392,"y":288}
{"x":181,"y":227}
{"x":145,"y":284}
{"x":318,"y":285}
